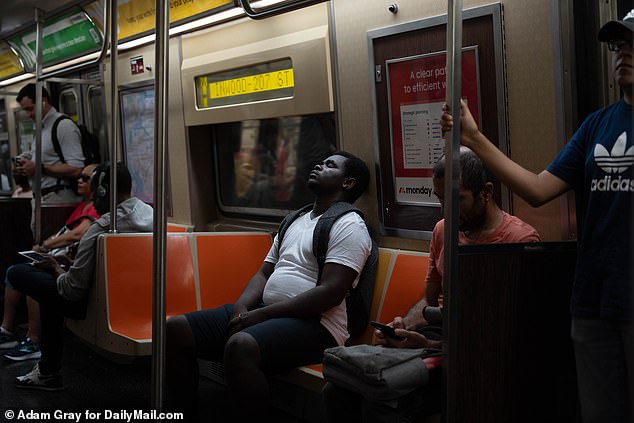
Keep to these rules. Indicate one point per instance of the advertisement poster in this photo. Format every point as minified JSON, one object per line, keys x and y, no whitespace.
{"x":137,"y":16}
{"x":416,"y":95}
{"x":9,"y":63}
{"x":67,"y":36}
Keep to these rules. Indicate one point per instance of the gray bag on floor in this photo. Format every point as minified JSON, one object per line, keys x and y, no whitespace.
{"x":378,"y":373}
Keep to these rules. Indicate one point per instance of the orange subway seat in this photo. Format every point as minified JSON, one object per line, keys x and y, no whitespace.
{"x":175,"y":227}
{"x":129,"y":282}
{"x":406,"y":285}
{"x":226,"y":263}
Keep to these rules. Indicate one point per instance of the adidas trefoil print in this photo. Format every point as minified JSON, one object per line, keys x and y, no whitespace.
{"x":614,"y":163}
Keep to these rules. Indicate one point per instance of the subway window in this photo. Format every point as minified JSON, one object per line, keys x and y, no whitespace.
{"x":264,"y":164}
{"x":97,"y":124}
{"x":68,"y":104}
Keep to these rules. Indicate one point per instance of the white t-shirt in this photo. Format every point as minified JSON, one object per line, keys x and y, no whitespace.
{"x":296,"y":266}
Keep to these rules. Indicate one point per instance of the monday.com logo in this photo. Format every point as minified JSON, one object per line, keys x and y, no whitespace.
{"x":416,"y":191}
{"x":614,"y":163}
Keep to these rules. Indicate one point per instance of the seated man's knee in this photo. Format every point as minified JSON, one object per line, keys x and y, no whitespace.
{"x":241,"y":346}
{"x":178,"y":335}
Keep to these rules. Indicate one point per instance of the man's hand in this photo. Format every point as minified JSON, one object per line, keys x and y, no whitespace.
{"x":63,"y":260}
{"x":245,"y":319}
{"x":25,"y":167}
{"x":468,"y":127}
{"x":380,"y":339}
{"x":48,"y":263}
{"x":412,"y":339}
{"x":39,"y":249}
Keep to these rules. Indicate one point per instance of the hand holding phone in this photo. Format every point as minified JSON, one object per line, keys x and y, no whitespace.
{"x":387,"y":330}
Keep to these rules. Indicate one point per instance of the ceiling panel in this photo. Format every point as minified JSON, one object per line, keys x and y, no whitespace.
{"x":15,"y":13}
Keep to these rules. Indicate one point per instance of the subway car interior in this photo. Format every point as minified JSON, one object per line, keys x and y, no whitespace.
{"x":221,"y":110}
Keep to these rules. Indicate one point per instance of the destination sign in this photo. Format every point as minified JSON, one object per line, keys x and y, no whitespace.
{"x":252,"y":84}
{"x":255,"y":83}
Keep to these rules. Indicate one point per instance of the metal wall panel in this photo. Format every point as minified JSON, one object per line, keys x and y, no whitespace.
{"x":530,"y":88}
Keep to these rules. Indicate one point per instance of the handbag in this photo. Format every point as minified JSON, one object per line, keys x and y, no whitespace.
{"x":377,"y":373}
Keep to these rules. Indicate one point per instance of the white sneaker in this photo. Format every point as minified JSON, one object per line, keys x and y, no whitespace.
{"x":36,"y":380}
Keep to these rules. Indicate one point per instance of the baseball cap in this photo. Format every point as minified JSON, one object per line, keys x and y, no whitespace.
{"x":611,"y":29}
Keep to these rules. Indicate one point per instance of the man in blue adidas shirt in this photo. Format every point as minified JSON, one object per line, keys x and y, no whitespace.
{"x":597,"y":164}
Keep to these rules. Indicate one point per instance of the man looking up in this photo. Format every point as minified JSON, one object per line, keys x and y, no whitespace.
{"x":55,"y":186}
{"x":283,"y":318}
{"x":597,"y":164}
{"x":481,"y":221}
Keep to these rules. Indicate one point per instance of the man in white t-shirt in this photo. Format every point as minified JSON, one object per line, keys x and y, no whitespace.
{"x":283,"y":319}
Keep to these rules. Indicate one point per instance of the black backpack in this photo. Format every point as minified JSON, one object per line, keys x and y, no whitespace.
{"x":89,"y":143}
{"x":359,"y":299}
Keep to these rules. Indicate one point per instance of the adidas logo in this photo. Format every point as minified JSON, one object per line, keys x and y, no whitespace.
{"x":616,"y":161}
{"x":613,"y":163}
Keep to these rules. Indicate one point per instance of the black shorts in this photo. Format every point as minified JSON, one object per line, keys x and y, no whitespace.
{"x":284,"y":343}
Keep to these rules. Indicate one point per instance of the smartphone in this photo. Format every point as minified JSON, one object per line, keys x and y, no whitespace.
{"x":32,"y":255}
{"x":387,"y":330}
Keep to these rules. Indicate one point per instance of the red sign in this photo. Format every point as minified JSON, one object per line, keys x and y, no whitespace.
{"x":136,"y":65}
{"x":417,"y":93}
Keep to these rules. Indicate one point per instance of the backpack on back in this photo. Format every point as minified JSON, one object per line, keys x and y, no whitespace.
{"x":359,"y":299}
{"x":89,"y":143}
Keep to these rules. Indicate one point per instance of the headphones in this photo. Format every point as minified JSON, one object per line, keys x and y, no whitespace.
{"x":101,"y":190}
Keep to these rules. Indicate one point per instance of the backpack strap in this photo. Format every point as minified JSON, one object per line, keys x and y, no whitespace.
{"x":321,"y":234}
{"x":77,"y":221}
{"x":290,"y":218}
{"x":56,"y":146}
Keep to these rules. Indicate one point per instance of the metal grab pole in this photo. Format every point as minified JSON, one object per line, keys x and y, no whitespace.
{"x":37,"y":176}
{"x":114,"y":114}
{"x":160,"y":142}
{"x":452,"y":185}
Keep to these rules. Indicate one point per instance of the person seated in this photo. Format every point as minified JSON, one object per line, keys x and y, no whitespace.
{"x":63,"y":293}
{"x":23,"y":188}
{"x":481,"y":221}
{"x":283,"y":318}
{"x":61,"y":245}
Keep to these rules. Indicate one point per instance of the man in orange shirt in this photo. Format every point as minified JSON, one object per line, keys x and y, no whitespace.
{"x":481,"y":221}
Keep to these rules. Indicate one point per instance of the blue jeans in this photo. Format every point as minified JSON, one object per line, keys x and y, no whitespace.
{"x":42,"y":287}
{"x":604,"y":352}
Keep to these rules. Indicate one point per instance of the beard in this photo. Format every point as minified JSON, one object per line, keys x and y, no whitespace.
{"x":475,"y":219}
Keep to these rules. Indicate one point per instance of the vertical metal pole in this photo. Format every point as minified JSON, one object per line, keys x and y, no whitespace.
{"x":452,"y":185}
{"x":160,"y":141}
{"x":37,"y":177}
{"x":114,"y":114}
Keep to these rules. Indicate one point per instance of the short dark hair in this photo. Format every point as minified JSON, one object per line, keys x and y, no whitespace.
{"x":357,"y":169}
{"x":474,"y":175}
{"x":124,"y":179}
{"x":29,"y":91}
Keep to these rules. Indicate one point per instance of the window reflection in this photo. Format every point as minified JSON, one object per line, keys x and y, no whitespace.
{"x":264,"y":164}
{"x":68,"y":104}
